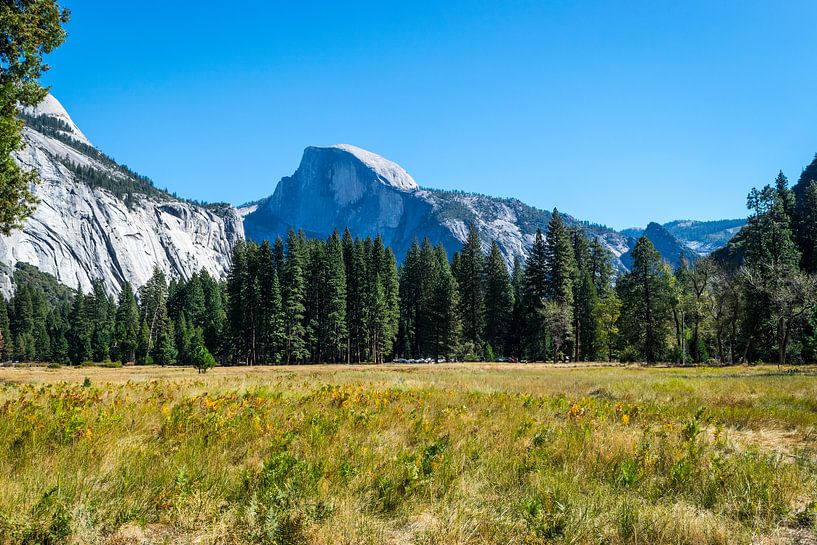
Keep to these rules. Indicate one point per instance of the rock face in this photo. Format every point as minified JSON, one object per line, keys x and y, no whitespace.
{"x":343,"y":186}
{"x":98,"y":220}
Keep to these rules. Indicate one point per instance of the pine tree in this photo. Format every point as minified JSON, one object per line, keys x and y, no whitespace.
{"x":143,"y":344}
{"x":153,"y":306}
{"x":275,"y":334}
{"x":314,"y":298}
{"x":243,"y":301}
{"x":391,"y":286}
{"x":560,"y":262}
{"x":39,"y":331}
{"x":445,"y":326}
{"x":499,"y":301}
{"x":278,"y":259}
{"x":431,"y":305}
{"x":126,"y":326}
{"x":22,"y":324}
{"x":409,"y":340}
{"x":215,"y":314}
{"x":334,"y":308}
{"x":5,"y":332}
{"x":771,"y":260}
{"x":535,"y":292}
{"x":184,"y":332}
{"x":808,"y":229}
{"x":470,"y":274}
{"x":646,"y":304}
{"x":353,"y":258}
{"x":58,"y":330}
{"x":164,"y":349}
{"x":268,"y":304}
{"x":200,"y":357}
{"x":517,"y":332}
{"x":79,"y":336}
{"x":293,"y":299}
{"x":100,"y":312}
{"x":193,"y":301}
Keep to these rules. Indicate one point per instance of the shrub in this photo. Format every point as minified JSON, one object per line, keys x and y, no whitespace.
{"x":203,"y":359}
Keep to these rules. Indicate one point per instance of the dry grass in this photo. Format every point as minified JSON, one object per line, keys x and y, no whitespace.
{"x":458,"y":453}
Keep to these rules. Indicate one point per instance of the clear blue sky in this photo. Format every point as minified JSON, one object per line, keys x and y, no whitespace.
{"x":617,"y":112}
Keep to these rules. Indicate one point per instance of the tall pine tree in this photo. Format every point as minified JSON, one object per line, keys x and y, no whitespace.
{"x":499,"y":301}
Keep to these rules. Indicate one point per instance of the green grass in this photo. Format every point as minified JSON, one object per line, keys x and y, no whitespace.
{"x":396,"y":454}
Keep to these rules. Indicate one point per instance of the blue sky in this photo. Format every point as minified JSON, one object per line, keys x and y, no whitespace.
{"x":617,"y":112}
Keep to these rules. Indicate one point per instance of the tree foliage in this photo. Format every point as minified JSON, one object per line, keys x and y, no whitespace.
{"x":30,"y":30}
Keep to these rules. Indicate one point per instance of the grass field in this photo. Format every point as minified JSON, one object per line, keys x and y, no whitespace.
{"x":457,"y":453}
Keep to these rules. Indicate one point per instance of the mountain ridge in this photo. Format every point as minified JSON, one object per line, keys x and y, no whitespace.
{"x":100,"y":220}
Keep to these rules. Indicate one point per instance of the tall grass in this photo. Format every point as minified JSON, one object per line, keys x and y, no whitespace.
{"x":453,"y":454}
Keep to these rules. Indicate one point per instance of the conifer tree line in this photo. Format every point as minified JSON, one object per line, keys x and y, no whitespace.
{"x":344,"y":300}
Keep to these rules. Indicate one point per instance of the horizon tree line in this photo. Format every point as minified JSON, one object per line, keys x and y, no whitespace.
{"x":345,"y":300}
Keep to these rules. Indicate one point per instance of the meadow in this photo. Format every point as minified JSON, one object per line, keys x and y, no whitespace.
{"x":409,"y":454}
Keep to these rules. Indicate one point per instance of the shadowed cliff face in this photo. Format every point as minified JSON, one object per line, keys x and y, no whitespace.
{"x":79,"y":233}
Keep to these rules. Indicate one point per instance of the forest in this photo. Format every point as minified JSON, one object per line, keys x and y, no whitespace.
{"x":345,"y":300}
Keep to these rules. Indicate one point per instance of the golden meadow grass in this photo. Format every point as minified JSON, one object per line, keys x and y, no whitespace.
{"x":476,"y":453}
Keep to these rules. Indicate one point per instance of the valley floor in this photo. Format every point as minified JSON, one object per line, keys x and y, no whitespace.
{"x":403,"y":454}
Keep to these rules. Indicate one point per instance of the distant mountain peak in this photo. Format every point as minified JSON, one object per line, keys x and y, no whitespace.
{"x":389,"y":172}
{"x":671,"y":249}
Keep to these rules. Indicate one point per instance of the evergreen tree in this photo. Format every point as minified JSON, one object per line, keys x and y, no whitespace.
{"x":126,"y":326}
{"x":201,"y":358}
{"x":499,"y":301}
{"x":444,"y":318}
{"x":79,"y":336}
{"x":585,"y":297}
{"x":143,"y":344}
{"x":516,"y":334}
{"x":100,"y":312}
{"x":470,"y":275}
{"x":410,"y":334}
{"x":646,"y":303}
{"x":5,"y":332}
{"x":215,"y":314}
{"x":22,"y":324}
{"x":153,"y":307}
{"x":771,"y":262}
{"x":293,"y":295}
{"x":808,"y":229}
{"x":334,"y":308}
{"x":184,"y":331}
{"x":164,"y":348}
{"x":58,"y":331}
{"x":391,"y":287}
{"x":353,"y":259}
{"x":560,"y":263}
{"x":39,"y":331}
{"x":536,"y":292}
{"x":269,"y":304}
